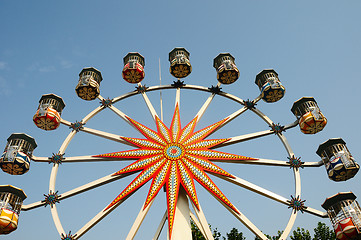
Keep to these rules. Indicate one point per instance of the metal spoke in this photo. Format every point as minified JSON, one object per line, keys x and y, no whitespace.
{"x":198,"y":224}
{"x":204,"y":228}
{"x":102,"y":214}
{"x":86,"y":187}
{"x":161,"y":225}
{"x":242,"y":218}
{"x":138,"y":221}
{"x":259,"y":161}
{"x":254,"y":188}
{"x":110,"y":136}
{"x":149,"y":104}
{"x":247,"y":137}
{"x":206,"y":104}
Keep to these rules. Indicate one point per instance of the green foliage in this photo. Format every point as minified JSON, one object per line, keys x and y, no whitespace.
{"x":279,"y":233}
{"x":323,"y":232}
{"x":197,"y":234}
{"x":301,"y":234}
{"x":234,"y":235}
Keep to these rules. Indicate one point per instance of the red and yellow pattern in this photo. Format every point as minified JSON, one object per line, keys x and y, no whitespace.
{"x":311,"y":124}
{"x":49,"y":120}
{"x":8,"y":221}
{"x":173,"y":157}
{"x":133,"y":73}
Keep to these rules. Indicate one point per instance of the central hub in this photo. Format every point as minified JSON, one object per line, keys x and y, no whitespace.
{"x":174,"y":151}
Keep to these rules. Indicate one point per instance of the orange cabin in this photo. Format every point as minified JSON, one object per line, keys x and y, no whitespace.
{"x":48,"y":114}
{"x":11,"y":199}
{"x":133,"y":71}
{"x":310,"y":118}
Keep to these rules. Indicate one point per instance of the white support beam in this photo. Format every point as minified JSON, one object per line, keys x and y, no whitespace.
{"x":206,"y":104}
{"x":250,"y":136}
{"x":102,"y":214}
{"x":138,"y":221}
{"x":149,"y":104}
{"x":198,"y":224}
{"x":181,"y":224}
{"x":110,"y":136}
{"x":84,"y":188}
{"x":254,"y":188}
{"x":161,"y":225}
{"x":204,"y":227}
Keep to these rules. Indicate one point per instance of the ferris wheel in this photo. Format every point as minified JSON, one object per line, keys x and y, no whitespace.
{"x":175,"y":157}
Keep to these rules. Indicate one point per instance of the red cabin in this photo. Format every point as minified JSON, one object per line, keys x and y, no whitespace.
{"x":345,"y":215}
{"x":47,"y":116}
{"x":133,"y":71}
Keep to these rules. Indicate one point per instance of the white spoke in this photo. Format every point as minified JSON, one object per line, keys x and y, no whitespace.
{"x":205,"y":105}
{"x":93,"y":159}
{"x":257,"y":161}
{"x":247,"y":137}
{"x":86,"y":187}
{"x":80,"y":159}
{"x":102,"y":214}
{"x":198,"y":224}
{"x":177,"y":97}
{"x":241,"y":217}
{"x":120,"y":114}
{"x":203,"y":224}
{"x":161,"y":225}
{"x":254,"y":188}
{"x":138,"y":221}
{"x":110,"y":136}
{"x":149,"y":104}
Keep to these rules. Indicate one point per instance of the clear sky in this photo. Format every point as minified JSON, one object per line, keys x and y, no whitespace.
{"x":313,"y":45}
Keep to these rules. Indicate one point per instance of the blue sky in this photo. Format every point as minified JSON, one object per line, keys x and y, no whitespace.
{"x":313,"y":45}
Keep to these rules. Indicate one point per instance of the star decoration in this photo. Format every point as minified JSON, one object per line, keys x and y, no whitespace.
{"x":51,"y":198}
{"x":295,"y":162}
{"x":106,"y":102}
{"x":174,"y":157}
{"x":249,"y":104}
{"x":277,"y":128}
{"x":77,"y":126}
{"x":68,"y":236}
{"x":178,"y":84}
{"x":215,"y":89}
{"x":297,"y":204}
{"x":57,"y":158}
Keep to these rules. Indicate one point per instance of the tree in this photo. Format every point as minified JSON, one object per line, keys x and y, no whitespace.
{"x":197,"y":234}
{"x":234,"y":235}
{"x":323,"y":232}
{"x":279,"y":233}
{"x":301,"y":234}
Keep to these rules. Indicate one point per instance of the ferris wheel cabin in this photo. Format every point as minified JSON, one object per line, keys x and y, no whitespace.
{"x":11,"y":199}
{"x":227,"y":71}
{"x":345,"y":215}
{"x":270,"y":85}
{"x":339,"y":163}
{"x":180,"y":66}
{"x":133,"y":71}
{"x":310,"y":118}
{"x":47,"y":116}
{"x":16,"y":157}
{"x":88,"y":84}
